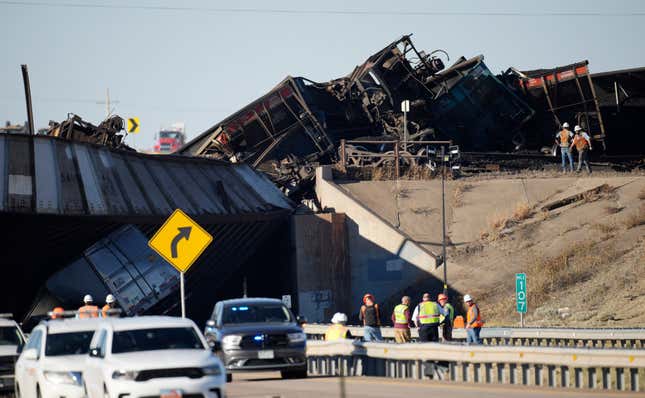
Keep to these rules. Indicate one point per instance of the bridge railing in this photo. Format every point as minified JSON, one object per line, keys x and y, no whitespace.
{"x":549,"y":337}
{"x":606,"y":369}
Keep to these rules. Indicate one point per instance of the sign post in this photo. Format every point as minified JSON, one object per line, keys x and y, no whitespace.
{"x":520,"y":296}
{"x":405,"y":108}
{"x":180,"y":241}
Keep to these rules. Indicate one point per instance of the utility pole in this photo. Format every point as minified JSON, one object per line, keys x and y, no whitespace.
{"x":443,"y":217}
{"x":30,"y":114}
{"x":108,"y":103}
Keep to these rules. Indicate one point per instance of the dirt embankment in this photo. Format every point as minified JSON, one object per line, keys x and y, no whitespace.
{"x":580,"y":240}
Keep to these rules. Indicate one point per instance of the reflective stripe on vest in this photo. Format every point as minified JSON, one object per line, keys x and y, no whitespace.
{"x":564,"y":138}
{"x":428,"y":312}
{"x":88,"y":311}
{"x":478,"y":322}
{"x":399,"y":314}
{"x":451,"y":313}
{"x":336,"y":332}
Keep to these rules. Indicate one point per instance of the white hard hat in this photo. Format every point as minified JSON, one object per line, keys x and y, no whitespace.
{"x":88,"y":299}
{"x":339,"y":317}
{"x":467,"y":298}
{"x":110,"y":299}
{"x":565,"y":125}
{"x":577,"y":128}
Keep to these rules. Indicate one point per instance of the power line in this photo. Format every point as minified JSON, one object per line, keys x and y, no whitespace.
{"x":284,"y":11}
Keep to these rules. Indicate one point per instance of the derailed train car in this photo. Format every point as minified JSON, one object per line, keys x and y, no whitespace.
{"x":299,"y":123}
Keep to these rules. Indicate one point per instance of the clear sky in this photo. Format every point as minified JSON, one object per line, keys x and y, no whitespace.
{"x":197,"y":61}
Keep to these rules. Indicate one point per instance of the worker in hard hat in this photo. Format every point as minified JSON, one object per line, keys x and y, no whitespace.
{"x":401,"y":320}
{"x":582,"y":143}
{"x":474,"y":321}
{"x":563,"y":139}
{"x":57,"y":313}
{"x":88,"y":310}
{"x":428,"y":319}
{"x":110,"y":304}
{"x":446,"y":320}
{"x":338,"y":330}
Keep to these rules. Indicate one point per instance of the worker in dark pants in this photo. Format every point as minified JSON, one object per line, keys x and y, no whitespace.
{"x":429,"y":319}
{"x":446,"y":320}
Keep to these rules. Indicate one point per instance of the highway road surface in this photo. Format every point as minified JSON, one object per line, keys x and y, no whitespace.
{"x":270,"y":385}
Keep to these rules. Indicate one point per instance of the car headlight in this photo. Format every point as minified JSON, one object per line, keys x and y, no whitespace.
{"x":298,"y":337}
{"x":231,"y":341}
{"x":74,"y":378}
{"x":124,"y":375}
{"x":212,"y":370}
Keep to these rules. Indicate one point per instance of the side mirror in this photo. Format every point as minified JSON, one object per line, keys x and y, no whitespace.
{"x":30,"y":354}
{"x":95,"y":353}
{"x":20,"y":347}
{"x":301,"y":320}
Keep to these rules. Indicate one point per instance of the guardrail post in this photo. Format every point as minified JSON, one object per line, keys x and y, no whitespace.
{"x":633,"y":379}
{"x":578,"y":377}
{"x":564,"y":377}
{"x":525,"y":374}
{"x":474,"y":370}
{"x":592,"y":382}
{"x":488,"y":373}
{"x":620,"y":379}
{"x":343,"y":154}
{"x":452,"y":371}
{"x":512,"y":373}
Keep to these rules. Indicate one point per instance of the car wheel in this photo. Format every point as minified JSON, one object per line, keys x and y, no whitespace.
{"x":229,"y":377}
{"x":294,"y":374}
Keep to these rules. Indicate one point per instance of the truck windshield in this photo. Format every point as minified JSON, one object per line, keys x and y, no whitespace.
{"x":256,"y":313}
{"x":155,"y":339}
{"x":75,"y":343}
{"x":10,"y":336}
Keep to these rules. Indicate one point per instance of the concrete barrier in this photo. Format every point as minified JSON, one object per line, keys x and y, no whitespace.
{"x":606,"y":369}
{"x":547,"y":337}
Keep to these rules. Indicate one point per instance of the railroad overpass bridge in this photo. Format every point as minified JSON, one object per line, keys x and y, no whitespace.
{"x":76,"y":219}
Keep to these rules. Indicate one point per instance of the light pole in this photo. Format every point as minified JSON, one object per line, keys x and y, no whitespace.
{"x":443,"y":219}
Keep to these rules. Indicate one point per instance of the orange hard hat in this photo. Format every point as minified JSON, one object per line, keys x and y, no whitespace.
{"x":57,"y":312}
{"x":366,"y":296}
{"x":442,"y":296}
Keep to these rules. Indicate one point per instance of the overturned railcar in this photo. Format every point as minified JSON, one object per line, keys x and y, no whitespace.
{"x":563,"y":94}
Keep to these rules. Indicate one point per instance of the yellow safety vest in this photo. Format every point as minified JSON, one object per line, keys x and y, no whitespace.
{"x":336,"y":332}
{"x":451,"y":313}
{"x":429,"y":312}
{"x":399,"y":314}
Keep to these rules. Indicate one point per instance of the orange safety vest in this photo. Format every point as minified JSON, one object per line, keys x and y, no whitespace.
{"x":88,"y":311}
{"x":336,"y":332}
{"x":469,"y":317}
{"x":580,"y":142}
{"x":105,"y":309}
{"x":564,"y":138}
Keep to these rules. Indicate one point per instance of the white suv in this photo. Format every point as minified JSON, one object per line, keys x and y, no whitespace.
{"x":51,"y":363}
{"x":11,"y":340}
{"x":152,"y":356}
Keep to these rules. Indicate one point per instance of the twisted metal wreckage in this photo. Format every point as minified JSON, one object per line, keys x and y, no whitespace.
{"x":300,"y":123}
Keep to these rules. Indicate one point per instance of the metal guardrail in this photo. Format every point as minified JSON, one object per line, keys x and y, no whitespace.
{"x":550,"y":337}
{"x":607,"y":369}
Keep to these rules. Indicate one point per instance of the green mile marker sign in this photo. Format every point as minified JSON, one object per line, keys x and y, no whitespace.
{"x":520,"y":293}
